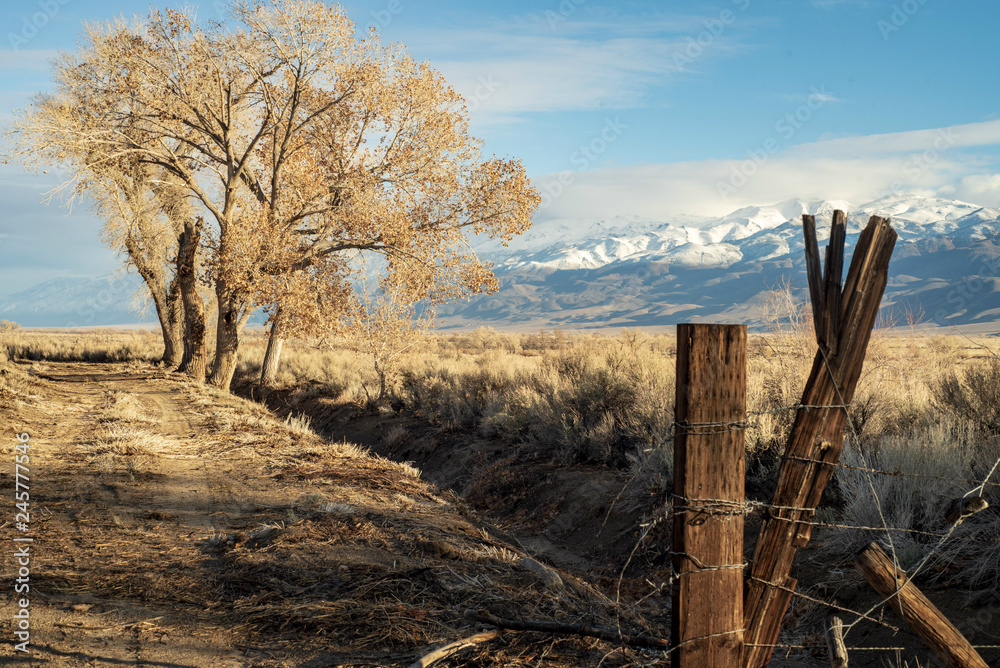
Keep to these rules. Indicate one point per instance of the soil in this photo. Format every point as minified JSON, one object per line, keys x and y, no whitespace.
{"x":237,"y":540}
{"x":580,"y":517}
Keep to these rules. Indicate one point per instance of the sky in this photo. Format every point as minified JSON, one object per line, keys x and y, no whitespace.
{"x":654,"y":110}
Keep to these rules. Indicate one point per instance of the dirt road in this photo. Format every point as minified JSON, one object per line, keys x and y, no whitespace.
{"x":103,"y":534}
{"x":172,"y":525}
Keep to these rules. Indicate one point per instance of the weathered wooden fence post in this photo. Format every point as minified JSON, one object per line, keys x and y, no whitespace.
{"x":709,"y":472}
{"x":844,"y":320}
{"x":834,"y":633}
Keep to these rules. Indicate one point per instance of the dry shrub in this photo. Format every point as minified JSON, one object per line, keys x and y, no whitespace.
{"x":299,"y":424}
{"x":972,"y":397}
{"x":100,"y":346}
{"x":122,"y":407}
{"x":928,"y":468}
{"x":599,"y":400}
{"x":776,"y":373}
{"x":124,"y":447}
{"x":16,"y":386}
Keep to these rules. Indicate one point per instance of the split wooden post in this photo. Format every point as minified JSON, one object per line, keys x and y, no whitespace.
{"x":844,"y":321}
{"x":709,"y":472}
{"x":939,"y":634}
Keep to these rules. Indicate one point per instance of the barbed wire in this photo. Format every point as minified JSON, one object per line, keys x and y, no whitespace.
{"x":745,"y":508}
{"x":901,"y":474}
{"x":722,"y":508}
{"x":714,"y":428}
{"x":850,"y":647}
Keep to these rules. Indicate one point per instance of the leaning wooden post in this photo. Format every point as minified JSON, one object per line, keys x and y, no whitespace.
{"x":709,"y":471}
{"x":844,"y":320}
{"x":939,"y":634}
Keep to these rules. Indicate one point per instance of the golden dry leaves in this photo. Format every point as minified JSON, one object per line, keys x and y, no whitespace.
{"x":302,"y":144}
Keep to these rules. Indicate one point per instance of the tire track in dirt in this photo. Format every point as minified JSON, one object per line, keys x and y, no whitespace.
{"x":184,"y":488}
{"x":101,"y":536}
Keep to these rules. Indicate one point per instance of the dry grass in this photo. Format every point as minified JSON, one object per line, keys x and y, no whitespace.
{"x":97,"y":345}
{"x":123,"y":444}
{"x":925,"y":405}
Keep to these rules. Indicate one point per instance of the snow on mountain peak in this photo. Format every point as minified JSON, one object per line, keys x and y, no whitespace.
{"x":750,"y":233}
{"x":918,"y":209}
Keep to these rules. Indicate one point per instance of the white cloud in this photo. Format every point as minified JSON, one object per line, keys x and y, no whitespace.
{"x":536,"y":68}
{"x":980,"y":189}
{"x":562,"y":75}
{"x":986,"y":133}
{"x":856,"y":169}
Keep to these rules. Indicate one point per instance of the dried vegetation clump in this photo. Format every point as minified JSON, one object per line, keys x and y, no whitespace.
{"x":124,"y":443}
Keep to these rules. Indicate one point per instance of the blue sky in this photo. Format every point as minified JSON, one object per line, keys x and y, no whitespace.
{"x":649,"y":109}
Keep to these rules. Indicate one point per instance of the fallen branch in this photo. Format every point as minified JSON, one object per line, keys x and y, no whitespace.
{"x":939,"y":634}
{"x":123,"y":625}
{"x":430,"y":659}
{"x":627,"y":639}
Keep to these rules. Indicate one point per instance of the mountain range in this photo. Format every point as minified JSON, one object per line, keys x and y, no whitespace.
{"x":635,"y":272}
{"x":632,"y":272}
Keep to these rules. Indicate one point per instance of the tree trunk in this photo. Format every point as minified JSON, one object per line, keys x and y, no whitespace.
{"x":173,"y":327}
{"x":164,"y":299}
{"x":227,"y":334}
{"x":194,"y":361}
{"x":172,"y":344}
{"x":269,"y":369}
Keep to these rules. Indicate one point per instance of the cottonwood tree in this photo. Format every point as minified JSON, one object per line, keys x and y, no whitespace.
{"x":146,"y":209}
{"x":405,"y":182}
{"x":299,"y":143}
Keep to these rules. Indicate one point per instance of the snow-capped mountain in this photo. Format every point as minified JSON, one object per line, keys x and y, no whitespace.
{"x":757,"y":233}
{"x":640,"y":272}
{"x":634,"y":272}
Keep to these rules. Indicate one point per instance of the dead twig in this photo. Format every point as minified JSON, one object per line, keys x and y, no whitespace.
{"x":453,"y":648}
{"x":105,"y":628}
{"x":611,"y":635}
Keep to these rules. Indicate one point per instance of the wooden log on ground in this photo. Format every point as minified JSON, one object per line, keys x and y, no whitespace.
{"x":585,"y":630}
{"x":709,"y":475}
{"x":939,"y":634}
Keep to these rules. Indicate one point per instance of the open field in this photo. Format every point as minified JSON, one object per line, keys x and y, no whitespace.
{"x":237,"y":526}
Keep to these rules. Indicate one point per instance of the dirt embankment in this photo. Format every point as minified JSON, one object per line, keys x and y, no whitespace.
{"x":585,"y":518}
{"x":177,"y":526}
